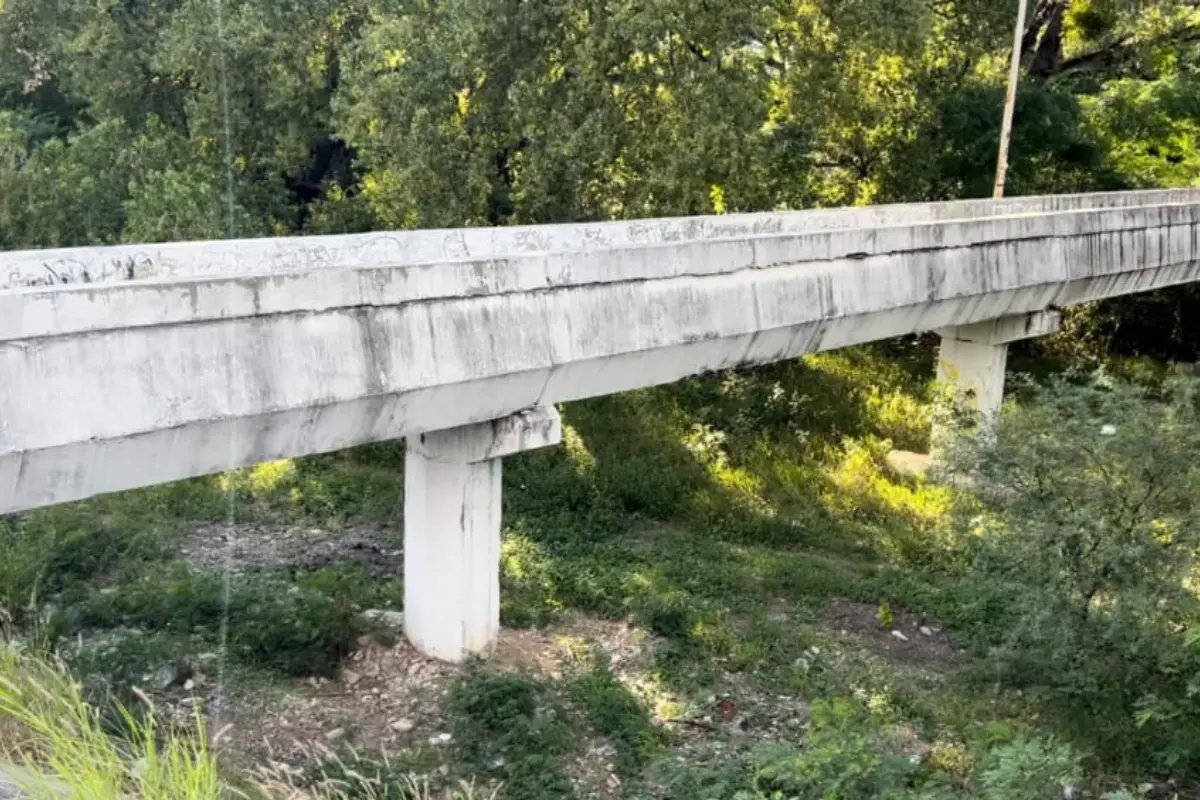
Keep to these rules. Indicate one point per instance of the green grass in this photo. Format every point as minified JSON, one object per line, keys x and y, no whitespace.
{"x":721,"y":514}
{"x":47,"y":724}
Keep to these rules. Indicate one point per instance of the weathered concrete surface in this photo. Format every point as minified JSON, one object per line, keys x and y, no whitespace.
{"x":259,"y":256}
{"x":113,"y":386}
{"x":1007,"y":330}
{"x":452,"y":530}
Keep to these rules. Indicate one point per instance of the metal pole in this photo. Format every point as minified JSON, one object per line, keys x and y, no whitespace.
{"x":1010,"y":101}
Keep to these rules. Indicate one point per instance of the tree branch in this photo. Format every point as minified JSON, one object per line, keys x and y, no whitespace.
{"x":1049,"y":52}
{"x":1120,"y":52}
{"x":696,"y":50}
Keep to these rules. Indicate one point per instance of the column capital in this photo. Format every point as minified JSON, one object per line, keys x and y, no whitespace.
{"x":526,"y":430}
{"x":1007,"y":330}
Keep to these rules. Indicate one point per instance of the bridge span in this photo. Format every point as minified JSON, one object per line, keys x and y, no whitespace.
{"x":129,"y":366}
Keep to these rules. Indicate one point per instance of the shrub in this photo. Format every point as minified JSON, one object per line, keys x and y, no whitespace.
{"x":841,"y":760}
{"x":846,"y":755}
{"x":1083,"y":514}
{"x":1027,"y":769}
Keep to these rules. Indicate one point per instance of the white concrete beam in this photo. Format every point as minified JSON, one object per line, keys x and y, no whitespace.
{"x":112,"y":386}
{"x":452,"y":494}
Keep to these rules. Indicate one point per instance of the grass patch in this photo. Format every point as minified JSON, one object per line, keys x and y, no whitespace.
{"x":525,"y":732}
{"x":296,"y":624}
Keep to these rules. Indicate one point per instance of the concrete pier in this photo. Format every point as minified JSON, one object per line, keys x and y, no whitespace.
{"x":973,"y":358}
{"x":452,"y":501}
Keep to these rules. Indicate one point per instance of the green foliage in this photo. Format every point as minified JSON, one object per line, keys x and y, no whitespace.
{"x":839,"y":761}
{"x":614,"y":713}
{"x":165,"y":119}
{"x":299,"y":626}
{"x":64,"y":548}
{"x":845,"y":756}
{"x":1037,"y":769}
{"x":515,"y":729}
{"x":521,"y":730}
{"x":1084,"y":518}
{"x":66,"y":751}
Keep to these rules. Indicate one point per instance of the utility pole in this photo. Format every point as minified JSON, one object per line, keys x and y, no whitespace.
{"x":1010,"y":101}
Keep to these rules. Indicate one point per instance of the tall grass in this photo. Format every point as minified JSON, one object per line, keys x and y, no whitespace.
{"x":61,"y":750}
{"x":60,"y":741}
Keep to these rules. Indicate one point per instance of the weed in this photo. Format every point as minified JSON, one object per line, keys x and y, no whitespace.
{"x":355,"y":776}
{"x":513,"y":728}
{"x":615,"y":713}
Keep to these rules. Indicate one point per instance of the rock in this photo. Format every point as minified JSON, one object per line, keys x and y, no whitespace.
{"x":402,"y":725}
{"x":441,"y":738}
{"x":8,"y":790}
{"x":209,"y":659}
{"x":900,"y":635}
{"x":335,"y":734}
{"x":393,"y":620}
{"x":350,"y":677}
{"x":926,"y":630}
{"x":189,"y":685}
{"x":903,"y":462}
{"x":170,"y":676}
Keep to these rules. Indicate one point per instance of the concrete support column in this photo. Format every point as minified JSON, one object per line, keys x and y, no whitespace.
{"x":452,"y":530}
{"x":973,"y":358}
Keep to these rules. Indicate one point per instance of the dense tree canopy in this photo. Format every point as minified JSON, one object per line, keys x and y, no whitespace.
{"x":134,"y":120}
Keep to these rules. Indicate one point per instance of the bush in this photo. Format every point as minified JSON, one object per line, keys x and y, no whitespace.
{"x":1084,"y":515}
{"x":298,"y":625}
{"x":1027,"y":769}
{"x":841,"y":760}
{"x":850,"y":754}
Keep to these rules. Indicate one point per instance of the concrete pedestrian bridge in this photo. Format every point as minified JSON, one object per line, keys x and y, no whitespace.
{"x":123,"y":367}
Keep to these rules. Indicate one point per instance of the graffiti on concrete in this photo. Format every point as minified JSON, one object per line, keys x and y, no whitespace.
{"x":66,"y":271}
